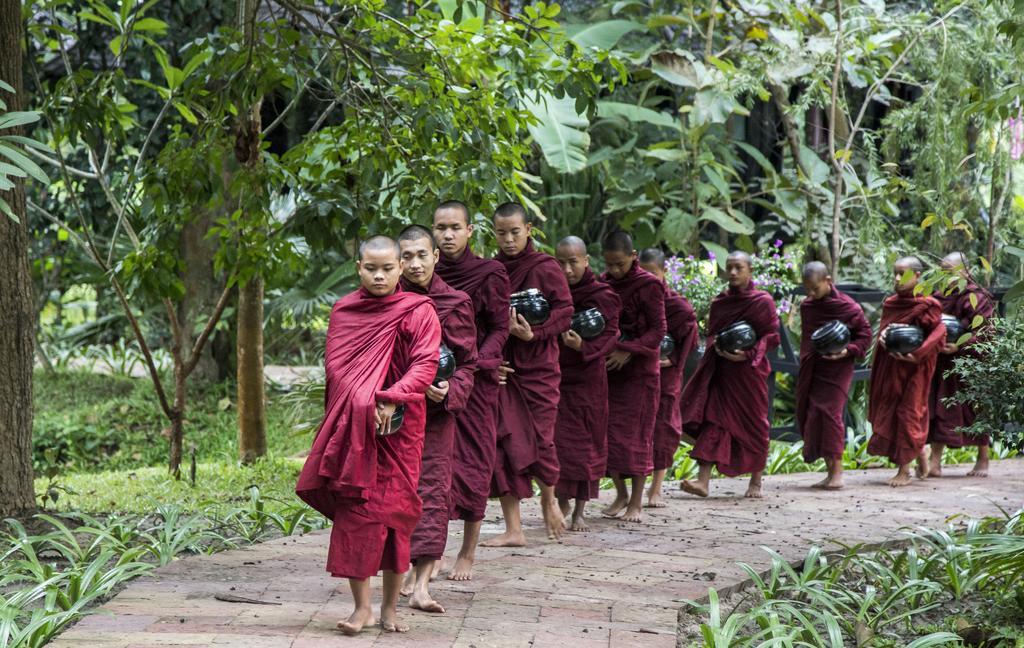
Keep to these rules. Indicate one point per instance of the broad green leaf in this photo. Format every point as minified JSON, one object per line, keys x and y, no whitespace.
{"x":603,"y":35}
{"x":637,"y":114}
{"x":973,"y":298}
{"x":759,"y":157}
{"x":928,"y":220}
{"x":117,"y":45}
{"x":663,"y":20}
{"x":18,"y":118}
{"x":817,"y":169}
{"x":1015,"y":293}
{"x":721,"y":254}
{"x":977,"y":321}
{"x":677,"y":70}
{"x":712,"y":106}
{"x":1015,"y":251}
{"x":666,"y":154}
{"x":716,"y":179}
{"x":150,"y":25}
{"x":560,"y":131}
{"x":735,"y":222}
{"x":186,"y":112}
{"x":24,"y":163}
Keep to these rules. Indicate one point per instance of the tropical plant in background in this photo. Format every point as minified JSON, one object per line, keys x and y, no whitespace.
{"x":14,"y":163}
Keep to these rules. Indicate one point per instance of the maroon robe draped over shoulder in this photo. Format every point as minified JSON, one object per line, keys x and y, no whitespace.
{"x":528,"y":403}
{"x":635,"y":389}
{"x":681,"y":325}
{"x":822,"y":386}
{"x":458,"y":332}
{"x":944,"y":420}
{"x":378,"y":349}
{"x":725,"y":403}
{"x":476,"y":440}
{"x":581,"y":430}
{"x":898,"y":399}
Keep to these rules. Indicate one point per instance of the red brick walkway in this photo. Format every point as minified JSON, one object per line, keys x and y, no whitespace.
{"x":619,"y":585}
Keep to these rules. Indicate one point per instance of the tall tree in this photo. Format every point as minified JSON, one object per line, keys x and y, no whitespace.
{"x":17,"y":319}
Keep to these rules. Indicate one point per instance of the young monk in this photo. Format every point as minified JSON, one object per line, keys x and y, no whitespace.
{"x":581,"y":429}
{"x":944,"y":420}
{"x":445,"y":399}
{"x":634,"y":384}
{"x":898,"y":400}
{"x":528,"y":403}
{"x":476,"y":440}
{"x":681,"y":326}
{"x":361,"y":473}
{"x":725,"y":403}
{"x":823,"y":382}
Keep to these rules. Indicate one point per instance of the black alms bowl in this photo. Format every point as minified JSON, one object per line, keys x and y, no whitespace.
{"x":831,"y":338}
{"x":903,"y":338}
{"x":445,"y":364}
{"x":668,"y":345}
{"x":588,"y":323}
{"x":954,"y":329}
{"x":397,"y":418}
{"x":738,"y":336}
{"x":532,"y":305}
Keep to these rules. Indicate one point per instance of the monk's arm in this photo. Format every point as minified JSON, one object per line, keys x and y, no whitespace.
{"x":461,"y":336}
{"x":603,"y":344}
{"x":559,"y":299}
{"x":425,"y":330}
{"x":652,"y":302}
{"x":860,"y":335}
{"x":935,"y":332}
{"x":494,"y":294}
{"x":685,"y":325}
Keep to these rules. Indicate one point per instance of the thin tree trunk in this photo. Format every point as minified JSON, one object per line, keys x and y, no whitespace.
{"x":837,"y":164}
{"x":17,"y":317}
{"x":252,"y":420}
{"x":202,"y":288}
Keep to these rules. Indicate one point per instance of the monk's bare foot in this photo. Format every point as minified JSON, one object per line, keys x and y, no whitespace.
{"x":655,"y":500}
{"x":506,"y":539}
{"x":834,"y":484}
{"x":425,"y":603}
{"x":694,"y":488}
{"x":821,"y":484}
{"x":439,"y":566}
{"x":633,"y":515}
{"x":923,"y":463}
{"x":355,"y":623}
{"x":408,"y":583}
{"x":462,"y":571}
{"x":616,"y":507}
{"x":754,"y":491}
{"x":393,"y":624}
{"x":554,"y":519}
{"x":980,"y":469}
{"x":579,"y":524}
{"x":900,"y":480}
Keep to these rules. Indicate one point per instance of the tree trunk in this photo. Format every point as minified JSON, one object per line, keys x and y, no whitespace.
{"x":202,"y":288}
{"x":252,"y":421}
{"x":17,"y":317}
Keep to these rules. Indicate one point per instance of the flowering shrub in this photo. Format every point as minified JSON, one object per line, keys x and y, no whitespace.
{"x":775,"y":270}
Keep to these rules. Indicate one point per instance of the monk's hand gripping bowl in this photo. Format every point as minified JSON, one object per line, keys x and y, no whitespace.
{"x":588,"y":323}
{"x":903,"y":338}
{"x":668,"y":345}
{"x":532,"y":305}
{"x":736,"y":337}
{"x":830,"y":338}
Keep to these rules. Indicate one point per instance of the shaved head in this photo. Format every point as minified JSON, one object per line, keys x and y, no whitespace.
{"x":742,"y":257}
{"x":455,"y":206}
{"x":652,"y":256}
{"x":815,"y":271}
{"x":379,"y":243}
{"x":573,"y":243}
{"x":619,"y":241}
{"x":415,"y":233}
{"x":911,"y":262}
{"x":955,"y":260}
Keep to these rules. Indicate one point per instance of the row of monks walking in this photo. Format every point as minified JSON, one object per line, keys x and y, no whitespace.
{"x":562,"y":377}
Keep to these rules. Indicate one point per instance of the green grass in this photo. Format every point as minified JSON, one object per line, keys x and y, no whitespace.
{"x":142,"y":490}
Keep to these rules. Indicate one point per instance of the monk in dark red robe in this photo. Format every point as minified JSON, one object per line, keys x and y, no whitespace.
{"x":528,"y":402}
{"x":725,"y":403}
{"x":476,"y":440}
{"x":681,"y":326}
{"x":581,"y":430}
{"x":966,"y":304}
{"x":445,"y":399}
{"x":634,"y":385}
{"x":382,"y":351}
{"x":823,"y":382}
{"x":898,"y":400}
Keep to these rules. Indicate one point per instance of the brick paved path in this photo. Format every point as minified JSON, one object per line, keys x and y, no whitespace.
{"x":619,"y":585}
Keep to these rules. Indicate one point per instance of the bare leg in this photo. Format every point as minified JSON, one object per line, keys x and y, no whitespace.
{"x":834,"y":481}
{"x":922,"y":463}
{"x":463,"y":569}
{"x":554,"y":519}
{"x":935,"y":463}
{"x":902,"y":477}
{"x":513,"y":536}
{"x":654,"y":497}
{"x":421,"y":599}
{"x":578,"y":521}
{"x":701,"y":485}
{"x":981,"y":465}
{"x":439,"y":566}
{"x":389,"y":605}
{"x":621,"y":498}
{"x":754,"y":488}
{"x":634,"y":511}
{"x":362,"y":615}
{"x":409,"y":583}
{"x":564,"y":506}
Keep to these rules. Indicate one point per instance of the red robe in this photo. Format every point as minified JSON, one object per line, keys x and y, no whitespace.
{"x":898,"y":400}
{"x":476,"y":440}
{"x":458,"y":332}
{"x":945,"y":419}
{"x":681,"y":324}
{"x":378,"y":348}
{"x":528,"y":403}
{"x":634,"y":390}
{"x":581,"y":429}
{"x":725,"y":404}
{"x":822,"y":386}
